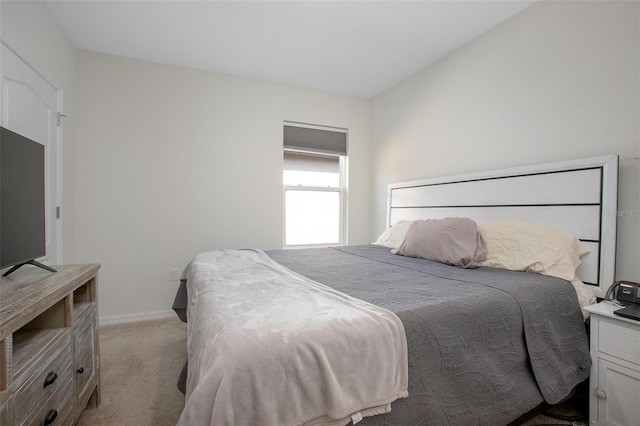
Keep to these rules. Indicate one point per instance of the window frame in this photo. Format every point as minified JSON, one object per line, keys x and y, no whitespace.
{"x":341,"y":189}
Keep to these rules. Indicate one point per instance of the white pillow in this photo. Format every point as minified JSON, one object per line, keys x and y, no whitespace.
{"x":532,"y":247}
{"x":585,"y":296}
{"x":394,"y":236}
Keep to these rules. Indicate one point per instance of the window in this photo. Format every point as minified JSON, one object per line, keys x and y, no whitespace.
{"x":314,"y":185}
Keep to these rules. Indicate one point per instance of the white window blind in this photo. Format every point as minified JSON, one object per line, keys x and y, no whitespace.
{"x":311,"y":170}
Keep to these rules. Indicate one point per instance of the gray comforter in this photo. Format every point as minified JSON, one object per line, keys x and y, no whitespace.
{"x":484,"y":345}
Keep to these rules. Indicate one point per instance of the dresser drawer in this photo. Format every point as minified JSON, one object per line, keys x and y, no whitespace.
{"x":55,"y":411}
{"x":619,"y":341}
{"x":45,"y":381}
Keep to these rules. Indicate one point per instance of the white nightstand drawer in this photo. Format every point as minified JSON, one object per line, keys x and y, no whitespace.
{"x":619,"y":341}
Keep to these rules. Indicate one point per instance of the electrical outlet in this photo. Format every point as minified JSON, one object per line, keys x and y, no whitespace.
{"x":174,"y":275}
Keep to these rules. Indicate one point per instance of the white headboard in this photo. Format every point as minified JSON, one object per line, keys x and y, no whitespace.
{"x":579,"y":196}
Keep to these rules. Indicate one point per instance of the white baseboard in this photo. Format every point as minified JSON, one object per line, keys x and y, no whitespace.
{"x":143,"y":316}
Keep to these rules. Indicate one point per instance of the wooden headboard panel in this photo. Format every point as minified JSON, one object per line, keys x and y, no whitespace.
{"x":579,"y":196}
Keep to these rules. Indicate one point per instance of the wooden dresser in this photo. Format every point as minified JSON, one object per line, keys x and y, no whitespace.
{"x":49,"y":349}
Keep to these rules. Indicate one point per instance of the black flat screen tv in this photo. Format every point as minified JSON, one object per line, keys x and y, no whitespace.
{"x":22,"y":201}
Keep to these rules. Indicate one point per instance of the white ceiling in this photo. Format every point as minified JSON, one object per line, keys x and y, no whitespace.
{"x":354,"y":48}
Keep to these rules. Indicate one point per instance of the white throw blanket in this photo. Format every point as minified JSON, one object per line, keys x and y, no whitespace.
{"x":267,"y":346}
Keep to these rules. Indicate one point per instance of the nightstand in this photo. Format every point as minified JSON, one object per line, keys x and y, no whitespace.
{"x":614,"y":397}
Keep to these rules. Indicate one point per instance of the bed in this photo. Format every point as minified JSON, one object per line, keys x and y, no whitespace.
{"x":482,"y":345}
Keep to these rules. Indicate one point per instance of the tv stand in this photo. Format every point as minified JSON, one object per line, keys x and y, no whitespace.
{"x":29,"y":262}
{"x":49,"y":346}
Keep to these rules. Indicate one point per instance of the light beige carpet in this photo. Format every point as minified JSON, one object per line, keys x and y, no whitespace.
{"x":140,"y":364}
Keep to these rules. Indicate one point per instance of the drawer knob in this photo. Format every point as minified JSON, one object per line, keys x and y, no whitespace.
{"x":51,"y":417}
{"x":51,"y":377}
{"x":600,"y":393}
{"x":80,"y":370}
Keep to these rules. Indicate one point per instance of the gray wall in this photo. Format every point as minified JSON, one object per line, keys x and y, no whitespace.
{"x":558,"y":81}
{"x":172,"y":161}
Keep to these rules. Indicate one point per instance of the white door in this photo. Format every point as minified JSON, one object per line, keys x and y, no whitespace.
{"x":30,"y":108}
